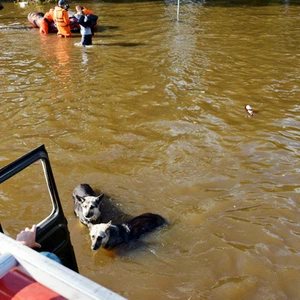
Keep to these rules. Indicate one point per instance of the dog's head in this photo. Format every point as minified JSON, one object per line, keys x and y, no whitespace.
{"x":90,"y":207}
{"x":99,"y":234}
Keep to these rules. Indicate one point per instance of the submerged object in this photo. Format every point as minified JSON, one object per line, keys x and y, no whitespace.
{"x":249,"y":110}
{"x":38,"y":20}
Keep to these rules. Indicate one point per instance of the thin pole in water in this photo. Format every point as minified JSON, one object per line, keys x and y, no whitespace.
{"x":178,"y":6}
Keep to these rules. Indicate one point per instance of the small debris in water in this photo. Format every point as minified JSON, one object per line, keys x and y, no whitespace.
{"x":249,"y":110}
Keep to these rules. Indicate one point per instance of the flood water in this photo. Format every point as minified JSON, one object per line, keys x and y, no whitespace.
{"x":153,"y":116}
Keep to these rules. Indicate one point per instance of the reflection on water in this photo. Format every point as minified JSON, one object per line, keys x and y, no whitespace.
{"x":57,"y":55}
{"x":85,"y":58}
{"x":153,"y":116}
{"x":18,"y":203}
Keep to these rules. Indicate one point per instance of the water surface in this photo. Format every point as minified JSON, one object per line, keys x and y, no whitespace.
{"x":153,"y":116}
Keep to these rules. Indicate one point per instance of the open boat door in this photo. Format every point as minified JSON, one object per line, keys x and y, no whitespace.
{"x":52,"y":231}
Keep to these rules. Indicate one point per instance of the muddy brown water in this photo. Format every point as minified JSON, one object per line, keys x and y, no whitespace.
{"x":153,"y":116}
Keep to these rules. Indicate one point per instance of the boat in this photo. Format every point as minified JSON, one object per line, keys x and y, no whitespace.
{"x":37,"y":20}
{"x":24,"y":272}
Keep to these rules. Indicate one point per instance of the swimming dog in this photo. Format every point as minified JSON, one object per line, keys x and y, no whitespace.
{"x":87,"y":204}
{"x":108,"y":235}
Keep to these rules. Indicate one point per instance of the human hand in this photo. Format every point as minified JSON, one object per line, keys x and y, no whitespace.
{"x":27,"y":237}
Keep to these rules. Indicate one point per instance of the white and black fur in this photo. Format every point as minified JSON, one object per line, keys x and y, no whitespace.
{"x":108,"y":235}
{"x":87,"y":204}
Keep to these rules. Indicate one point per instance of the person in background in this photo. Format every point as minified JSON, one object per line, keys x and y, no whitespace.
{"x":85,"y":27}
{"x":90,"y":12}
{"x":48,"y":18}
{"x":61,"y":19}
{"x":27,"y":238}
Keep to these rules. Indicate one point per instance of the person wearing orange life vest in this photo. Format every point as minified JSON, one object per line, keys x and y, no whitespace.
{"x":61,"y":19}
{"x":48,"y":18}
{"x":49,"y":15}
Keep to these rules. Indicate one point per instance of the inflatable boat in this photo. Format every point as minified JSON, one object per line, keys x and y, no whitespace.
{"x":39,"y":20}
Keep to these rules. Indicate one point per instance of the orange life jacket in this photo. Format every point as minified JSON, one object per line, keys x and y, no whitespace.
{"x":61,"y":16}
{"x":49,"y":15}
{"x":87,"y":11}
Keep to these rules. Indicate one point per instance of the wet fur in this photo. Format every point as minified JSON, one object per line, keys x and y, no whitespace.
{"x":87,"y":204}
{"x":113,"y":211}
{"x":108,"y":236}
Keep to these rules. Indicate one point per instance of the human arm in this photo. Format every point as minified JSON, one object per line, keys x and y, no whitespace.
{"x":66,"y":17}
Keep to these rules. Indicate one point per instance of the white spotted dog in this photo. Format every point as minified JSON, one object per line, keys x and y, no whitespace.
{"x":108,"y":235}
{"x":87,"y":204}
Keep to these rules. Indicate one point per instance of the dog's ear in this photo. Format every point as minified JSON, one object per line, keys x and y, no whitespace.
{"x":80,"y":199}
{"x":99,"y":198}
{"x":107,"y":225}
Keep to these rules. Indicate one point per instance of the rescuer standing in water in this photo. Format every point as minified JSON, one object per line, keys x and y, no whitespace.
{"x":61,"y":19}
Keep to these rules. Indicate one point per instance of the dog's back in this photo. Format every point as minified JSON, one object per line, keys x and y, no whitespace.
{"x":144,"y":223}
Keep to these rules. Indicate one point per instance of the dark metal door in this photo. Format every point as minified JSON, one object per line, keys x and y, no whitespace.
{"x":52,"y":233}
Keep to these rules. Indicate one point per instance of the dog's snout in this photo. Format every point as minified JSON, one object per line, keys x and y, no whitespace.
{"x":89,"y":214}
{"x":95,"y":247}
